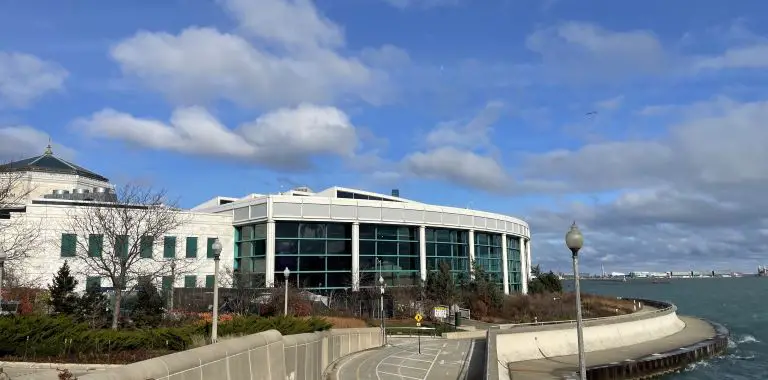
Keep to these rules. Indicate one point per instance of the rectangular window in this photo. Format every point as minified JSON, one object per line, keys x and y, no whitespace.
{"x":93,"y":283}
{"x":209,"y":247}
{"x":121,"y":245}
{"x":190,"y":281}
{"x":95,"y":245}
{"x":68,"y":245}
{"x":167,"y":282}
{"x":209,"y":281}
{"x":169,"y":247}
{"x":147,"y":243}
{"x":191,"y":247}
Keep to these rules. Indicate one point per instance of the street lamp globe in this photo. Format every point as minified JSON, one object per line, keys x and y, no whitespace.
{"x":381,"y":280}
{"x":216,"y":246}
{"x":574,"y":239}
{"x":286,"y":272}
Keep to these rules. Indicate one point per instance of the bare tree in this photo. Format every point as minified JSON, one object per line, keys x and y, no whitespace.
{"x":19,"y":236}
{"x":126,"y":232}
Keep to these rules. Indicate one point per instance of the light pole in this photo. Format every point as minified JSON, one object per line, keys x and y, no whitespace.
{"x":286,"y":273}
{"x":383,"y":319}
{"x":3,"y":256}
{"x":575,"y":240}
{"x":216,"y":246}
{"x":173,"y":281}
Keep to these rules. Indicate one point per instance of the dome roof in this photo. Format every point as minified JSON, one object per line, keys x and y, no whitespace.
{"x":48,"y":163}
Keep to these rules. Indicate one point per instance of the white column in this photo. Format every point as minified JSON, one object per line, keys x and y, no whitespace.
{"x":471,"y":253}
{"x":355,"y":256}
{"x":423,"y":252}
{"x":528,"y":256}
{"x":270,"y":261}
{"x":523,"y":267}
{"x":504,"y":265}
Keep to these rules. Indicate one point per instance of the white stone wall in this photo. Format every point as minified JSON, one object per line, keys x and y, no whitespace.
{"x":39,"y":184}
{"x":46,"y":257}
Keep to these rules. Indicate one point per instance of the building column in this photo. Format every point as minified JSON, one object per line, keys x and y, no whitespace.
{"x":471,"y":254}
{"x":528,"y":256}
{"x":524,"y":272}
{"x":270,"y":254}
{"x":355,"y":256}
{"x":504,"y":263}
{"x":423,"y":252}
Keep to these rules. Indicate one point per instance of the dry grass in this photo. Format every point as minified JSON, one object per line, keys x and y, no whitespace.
{"x":558,"y":307}
{"x":346,"y":322}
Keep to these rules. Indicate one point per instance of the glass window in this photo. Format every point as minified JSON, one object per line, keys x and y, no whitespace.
{"x":190,"y":281}
{"x":366,"y":262}
{"x":93,"y":283}
{"x":431,"y":249}
{"x":167,"y":282}
{"x":429,"y":234}
{"x":291,"y":262}
{"x":312,"y":231}
{"x":286,"y":247}
{"x":169,"y":247}
{"x":312,"y":247}
{"x":339,"y":247}
{"x":246,"y":249}
{"x":339,"y":280}
{"x":68,"y":245}
{"x":367,"y":231}
{"x":367,"y":248}
{"x":191,"y":247}
{"x":286,"y":229}
{"x":260,"y":231}
{"x":384,"y":232}
{"x":341,"y":263}
{"x":246,"y":232}
{"x":209,"y":248}
{"x":344,"y":194}
{"x":443,"y":236}
{"x":209,"y":281}
{"x":339,"y":231}
{"x":147,"y":243}
{"x":121,"y":245}
{"x":95,"y":245}
{"x":406,"y":248}
{"x":259,"y":247}
{"x":312,"y":263}
{"x":406,"y":233}
{"x":409,"y":262}
{"x":386,"y":248}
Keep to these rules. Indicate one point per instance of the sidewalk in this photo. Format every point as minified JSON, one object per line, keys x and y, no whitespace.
{"x":558,"y":367}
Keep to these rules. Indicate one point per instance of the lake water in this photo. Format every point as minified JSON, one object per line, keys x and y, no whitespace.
{"x":740,"y":304}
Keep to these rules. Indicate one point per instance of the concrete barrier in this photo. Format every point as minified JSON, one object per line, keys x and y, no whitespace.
{"x":539,"y":341}
{"x":263,"y":356}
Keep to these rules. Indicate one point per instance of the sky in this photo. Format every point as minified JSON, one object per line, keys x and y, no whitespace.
{"x":644,"y":122}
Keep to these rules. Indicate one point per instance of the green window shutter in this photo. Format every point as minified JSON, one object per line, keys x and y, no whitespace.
{"x":167,"y":282}
{"x":209,"y":281}
{"x":68,"y":245}
{"x":121,"y":245}
{"x":169,"y":247}
{"x":93,"y":283}
{"x":209,"y":246}
{"x":147,"y":244}
{"x":95,"y":245}
{"x":191,"y":247}
{"x":190,"y":281}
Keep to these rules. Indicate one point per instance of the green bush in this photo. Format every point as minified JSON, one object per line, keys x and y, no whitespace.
{"x":61,"y":336}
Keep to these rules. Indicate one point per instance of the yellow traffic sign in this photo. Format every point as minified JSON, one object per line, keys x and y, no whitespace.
{"x":418,"y":317}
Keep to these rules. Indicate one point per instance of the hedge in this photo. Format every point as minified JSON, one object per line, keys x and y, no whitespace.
{"x":23,"y":336}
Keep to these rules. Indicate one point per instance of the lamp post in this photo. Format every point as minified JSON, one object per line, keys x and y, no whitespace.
{"x":216,"y":246}
{"x":286,"y":273}
{"x":173,"y":281}
{"x":383,"y":319}
{"x":575,"y":240}
{"x":3,"y":256}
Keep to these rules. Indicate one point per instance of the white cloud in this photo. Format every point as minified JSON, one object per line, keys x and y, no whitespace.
{"x":24,"y":78}
{"x":740,"y":57}
{"x":23,"y":141}
{"x":286,"y":53}
{"x":284,"y":138}
{"x":458,"y":166}
{"x":472,"y":134}
{"x":422,"y":3}
{"x":610,"y":104}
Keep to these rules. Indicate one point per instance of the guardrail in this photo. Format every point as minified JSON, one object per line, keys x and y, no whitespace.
{"x":491,"y":357}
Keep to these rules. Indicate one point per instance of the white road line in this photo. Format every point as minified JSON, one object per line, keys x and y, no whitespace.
{"x":404,"y":366}
{"x":414,"y":359}
{"x":433,"y":364}
{"x":401,"y":376}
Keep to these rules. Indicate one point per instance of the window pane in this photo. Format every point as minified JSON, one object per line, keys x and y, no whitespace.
{"x":246,"y":232}
{"x":406,"y":249}
{"x":407,"y":233}
{"x":339,"y":280}
{"x":312,"y":263}
{"x":259,"y":247}
{"x":312,"y":247}
{"x":367,"y":248}
{"x":191,"y":247}
{"x":190,"y":281}
{"x":340,"y":263}
{"x":339,"y":231}
{"x":286,"y":247}
{"x":169,"y":247}
{"x":409,"y":263}
{"x":444,"y":249}
{"x":443,"y":236}
{"x":167,"y":282}
{"x":367,"y":231}
{"x":366,"y":262}
{"x":312,"y":230}
{"x":431,"y":249}
{"x":121,"y":245}
{"x":260,"y":231}
{"x":286,"y":229}
{"x":430,"y":234}
{"x":386,"y":232}
{"x":68,"y":245}
{"x":93,"y":283}
{"x":246,"y":249}
{"x":95,"y":245}
{"x":312,"y":280}
{"x":281,"y":262}
{"x":147,"y":244}
{"x":386,"y":248}
{"x":339,"y":247}
{"x":209,"y":281}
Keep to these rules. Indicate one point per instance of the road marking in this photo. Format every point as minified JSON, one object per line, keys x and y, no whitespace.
{"x":404,"y":366}
{"x":433,"y":363}
{"x":400,"y":376}
{"x":414,"y":359}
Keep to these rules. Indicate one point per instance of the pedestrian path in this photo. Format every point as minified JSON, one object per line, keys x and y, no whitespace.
{"x":559,"y":367}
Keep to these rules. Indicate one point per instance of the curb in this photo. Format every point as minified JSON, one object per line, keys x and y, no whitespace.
{"x":78,"y":366}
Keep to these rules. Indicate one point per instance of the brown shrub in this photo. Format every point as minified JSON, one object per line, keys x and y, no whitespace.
{"x":346,"y":322}
{"x":558,"y":307}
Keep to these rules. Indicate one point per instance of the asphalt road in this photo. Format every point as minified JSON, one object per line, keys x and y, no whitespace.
{"x":440,"y":359}
{"x":21,"y":373}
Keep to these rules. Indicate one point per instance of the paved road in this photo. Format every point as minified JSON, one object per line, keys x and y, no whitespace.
{"x":440,"y":359}
{"x":559,"y":367}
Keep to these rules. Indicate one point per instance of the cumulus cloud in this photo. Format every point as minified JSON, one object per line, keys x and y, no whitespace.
{"x":692,"y":200}
{"x":462,"y":167}
{"x":23,"y":141}
{"x":286,"y":138}
{"x":25,"y":77}
{"x":285,"y":53}
{"x":422,"y":3}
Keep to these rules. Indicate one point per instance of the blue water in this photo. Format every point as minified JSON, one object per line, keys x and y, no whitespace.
{"x":740,"y":304}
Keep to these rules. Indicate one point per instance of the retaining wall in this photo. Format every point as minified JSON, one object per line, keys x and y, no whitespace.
{"x":263,"y":356}
{"x":531,"y":341}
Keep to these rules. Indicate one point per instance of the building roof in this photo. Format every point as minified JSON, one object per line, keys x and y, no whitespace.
{"x":48,"y":163}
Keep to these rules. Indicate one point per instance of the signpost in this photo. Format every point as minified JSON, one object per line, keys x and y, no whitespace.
{"x":418,"y":319}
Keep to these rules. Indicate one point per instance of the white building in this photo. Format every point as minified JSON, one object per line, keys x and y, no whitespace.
{"x":338,"y":238}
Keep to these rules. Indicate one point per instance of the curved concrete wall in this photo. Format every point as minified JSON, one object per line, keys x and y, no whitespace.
{"x":267,"y":355}
{"x":539,"y":342}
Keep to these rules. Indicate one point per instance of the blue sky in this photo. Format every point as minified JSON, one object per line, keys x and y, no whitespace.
{"x":636,"y":119}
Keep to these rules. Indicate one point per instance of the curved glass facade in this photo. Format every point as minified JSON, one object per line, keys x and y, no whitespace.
{"x":319,"y":255}
{"x":448,"y":245}
{"x":488,"y":255}
{"x":395,"y":249}
{"x":251,"y":254}
{"x":514,"y":265}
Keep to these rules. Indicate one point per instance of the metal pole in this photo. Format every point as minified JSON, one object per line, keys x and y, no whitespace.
{"x":579,"y":327}
{"x":215,"y":329}
{"x":173,"y":280}
{"x":285,"y":309}
{"x":2,"y":269}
